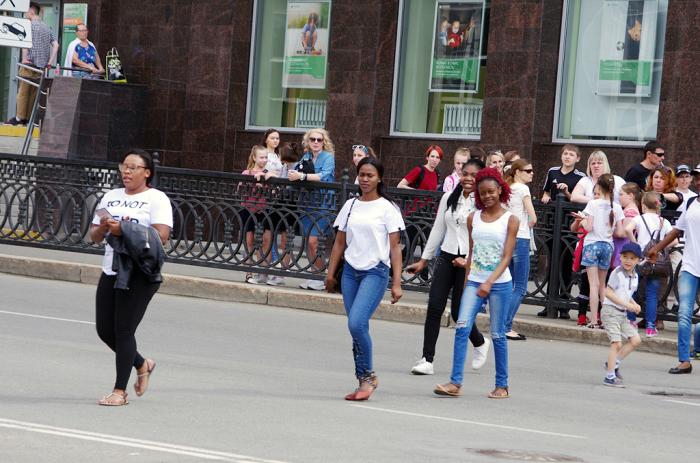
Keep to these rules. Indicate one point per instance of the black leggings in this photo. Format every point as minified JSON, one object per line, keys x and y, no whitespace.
{"x":446,"y":277}
{"x":117,"y":315}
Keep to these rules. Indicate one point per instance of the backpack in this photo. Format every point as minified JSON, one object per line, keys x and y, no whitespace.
{"x":662,"y":267}
{"x":416,"y":183}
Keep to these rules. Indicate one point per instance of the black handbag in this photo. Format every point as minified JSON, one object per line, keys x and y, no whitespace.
{"x":662,"y":267}
{"x":338,"y":275}
{"x":305,"y":165}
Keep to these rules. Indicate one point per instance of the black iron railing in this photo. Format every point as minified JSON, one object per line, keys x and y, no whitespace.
{"x":231,"y":221}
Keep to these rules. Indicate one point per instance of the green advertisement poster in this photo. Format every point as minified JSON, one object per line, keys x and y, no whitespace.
{"x":456,"y":59}
{"x":306,"y":44}
{"x":73,"y":14}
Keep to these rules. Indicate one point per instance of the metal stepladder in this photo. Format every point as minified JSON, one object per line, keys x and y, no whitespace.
{"x":39,"y":106}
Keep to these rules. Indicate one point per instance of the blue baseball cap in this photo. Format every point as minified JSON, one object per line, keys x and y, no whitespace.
{"x":633,"y":248}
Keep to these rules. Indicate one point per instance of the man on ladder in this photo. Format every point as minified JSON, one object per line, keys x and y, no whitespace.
{"x":42,"y":55}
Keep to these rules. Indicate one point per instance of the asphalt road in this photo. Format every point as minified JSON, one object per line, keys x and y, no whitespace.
{"x":246,"y":383}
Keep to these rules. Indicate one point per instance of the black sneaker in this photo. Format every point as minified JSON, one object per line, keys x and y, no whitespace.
{"x":13,"y":121}
{"x":542,"y":313}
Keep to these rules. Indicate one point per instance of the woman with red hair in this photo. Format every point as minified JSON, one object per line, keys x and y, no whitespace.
{"x":424,"y":177}
{"x":492,"y":232}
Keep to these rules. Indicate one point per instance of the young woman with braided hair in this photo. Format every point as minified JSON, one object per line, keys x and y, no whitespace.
{"x":492,"y":233}
{"x":600,"y":219}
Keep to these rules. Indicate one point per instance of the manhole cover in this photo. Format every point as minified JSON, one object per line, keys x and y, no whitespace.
{"x":689,"y":395}
{"x":519,"y":455}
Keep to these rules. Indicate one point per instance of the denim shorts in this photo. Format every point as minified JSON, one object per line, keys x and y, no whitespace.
{"x":598,"y":254}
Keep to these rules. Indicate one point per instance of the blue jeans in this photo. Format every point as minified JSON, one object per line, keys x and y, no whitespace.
{"x":362,"y":292}
{"x":687,"y":291}
{"x":651,"y":300}
{"x":498,"y":298}
{"x":520,"y":271}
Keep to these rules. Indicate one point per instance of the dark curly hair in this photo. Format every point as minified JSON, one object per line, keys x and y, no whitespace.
{"x":490,"y":174}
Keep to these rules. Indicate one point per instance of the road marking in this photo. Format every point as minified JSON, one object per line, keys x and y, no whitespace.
{"x":129,"y":442}
{"x":477,"y":423}
{"x":46,"y":317}
{"x":694,"y":404}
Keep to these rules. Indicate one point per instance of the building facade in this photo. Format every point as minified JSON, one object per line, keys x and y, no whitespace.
{"x":400,"y":75}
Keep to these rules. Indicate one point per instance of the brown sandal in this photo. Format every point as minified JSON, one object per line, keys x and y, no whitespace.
{"x":448,"y":389}
{"x":114,"y":399}
{"x":141,"y":389}
{"x":495,"y":394}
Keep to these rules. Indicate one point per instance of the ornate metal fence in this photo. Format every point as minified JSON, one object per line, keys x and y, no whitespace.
{"x":231,"y":221}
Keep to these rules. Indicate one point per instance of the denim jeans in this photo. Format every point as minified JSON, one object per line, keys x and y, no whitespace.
{"x":362,"y":292}
{"x":498,"y":298}
{"x":687,"y":291}
{"x":520,"y":271}
{"x":651,"y":300}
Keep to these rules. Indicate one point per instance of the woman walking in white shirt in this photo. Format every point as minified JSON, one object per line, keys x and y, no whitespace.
{"x":450,"y":234}
{"x":518,"y":176}
{"x":368,"y":237}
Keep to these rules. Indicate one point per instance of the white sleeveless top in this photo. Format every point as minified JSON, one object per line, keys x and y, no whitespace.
{"x":489,"y":240}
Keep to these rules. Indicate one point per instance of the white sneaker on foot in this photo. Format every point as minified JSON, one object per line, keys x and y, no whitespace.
{"x":275,"y":281}
{"x":316,"y":285}
{"x":480,"y":354}
{"x":258,"y":279}
{"x":422,"y":367}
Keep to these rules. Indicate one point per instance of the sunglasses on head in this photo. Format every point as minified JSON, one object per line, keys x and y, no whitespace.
{"x":360,"y":147}
{"x":312,"y":139}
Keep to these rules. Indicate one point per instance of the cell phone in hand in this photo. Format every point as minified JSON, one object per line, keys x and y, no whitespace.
{"x":103,"y":213}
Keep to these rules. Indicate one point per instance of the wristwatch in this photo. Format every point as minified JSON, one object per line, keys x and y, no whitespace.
{"x":303,"y":177}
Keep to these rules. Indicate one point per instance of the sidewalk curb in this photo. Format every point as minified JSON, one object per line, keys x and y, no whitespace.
{"x":179,"y":285}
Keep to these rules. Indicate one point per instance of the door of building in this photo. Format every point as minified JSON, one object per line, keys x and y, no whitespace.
{"x":9,"y":57}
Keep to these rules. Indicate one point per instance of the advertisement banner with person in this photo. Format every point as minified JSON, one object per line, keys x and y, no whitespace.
{"x":627,"y":47}
{"x":306,"y":44}
{"x":457,"y":39}
{"x":73,"y":14}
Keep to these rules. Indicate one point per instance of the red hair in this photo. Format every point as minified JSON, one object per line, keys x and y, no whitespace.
{"x":434,"y":148}
{"x":490,"y":173}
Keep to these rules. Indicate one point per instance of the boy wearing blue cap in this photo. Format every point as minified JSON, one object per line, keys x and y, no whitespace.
{"x":618,"y":301}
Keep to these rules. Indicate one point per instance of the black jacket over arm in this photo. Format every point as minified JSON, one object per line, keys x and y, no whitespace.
{"x":138,"y":245}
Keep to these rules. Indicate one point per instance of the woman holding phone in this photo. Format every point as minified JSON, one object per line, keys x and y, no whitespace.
{"x":119,"y":311}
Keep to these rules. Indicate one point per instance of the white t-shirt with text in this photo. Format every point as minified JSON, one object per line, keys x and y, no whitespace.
{"x":367,"y":231}
{"x":147,"y":208}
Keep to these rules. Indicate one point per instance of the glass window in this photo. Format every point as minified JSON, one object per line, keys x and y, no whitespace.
{"x":441,"y":67}
{"x":289,"y":64}
{"x":610,"y":72}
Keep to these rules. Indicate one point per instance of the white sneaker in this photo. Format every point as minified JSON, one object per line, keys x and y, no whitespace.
{"x":480,"y":354}
{"x":258,"y":279}
{"x":422,"y":367}
{"x":275,"y":281}
{"x":316,"y":285}
{"x":304,"y":284}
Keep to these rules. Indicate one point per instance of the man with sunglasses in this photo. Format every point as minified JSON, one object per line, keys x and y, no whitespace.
{"x":653,"y":156}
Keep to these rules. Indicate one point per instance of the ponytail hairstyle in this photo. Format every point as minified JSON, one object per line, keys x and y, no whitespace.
{"x":492,"y":174}
{"x":651,"y":201}
{"x":632,"y":188}
{"x":253,"y":154}
{"x":457,"y":192}
{"x":377,"y":164}
{"x":606,"y":184}
{"x":515,"y":166}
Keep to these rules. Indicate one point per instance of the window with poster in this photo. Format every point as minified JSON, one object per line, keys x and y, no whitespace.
{"x":610,"y":67}
{"x":440,"y":68}
{"x":287,"y":85}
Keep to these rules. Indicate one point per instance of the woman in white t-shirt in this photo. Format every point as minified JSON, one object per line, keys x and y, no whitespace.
{"x":271,"y":141}
{"x":644,"y":226}
{"x":119,"y":311}
{"x":597,"y":166}
{"x":520,"y":205}
{"x":601,"y":218}
{"x":368,"y":237}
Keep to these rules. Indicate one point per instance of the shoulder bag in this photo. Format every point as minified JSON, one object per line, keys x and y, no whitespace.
{"x":662,"y":267}
{"x":338,"y":275}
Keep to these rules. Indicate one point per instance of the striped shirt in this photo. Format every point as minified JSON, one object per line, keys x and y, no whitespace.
{"x":42,"y":38}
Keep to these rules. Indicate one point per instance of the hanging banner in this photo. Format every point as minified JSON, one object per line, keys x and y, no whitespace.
{"x":306,"y":44}
{"x":457,"y":38}
{"x":73,"y":14}
{"x":627,"y":47}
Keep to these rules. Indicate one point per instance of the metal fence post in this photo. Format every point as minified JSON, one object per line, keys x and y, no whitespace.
{"x":344,"y":180}
{"x":555,"y":258}
{"x":156,"y":163}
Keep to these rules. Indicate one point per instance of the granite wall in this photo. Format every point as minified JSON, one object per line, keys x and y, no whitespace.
{"x":194,"y":57}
